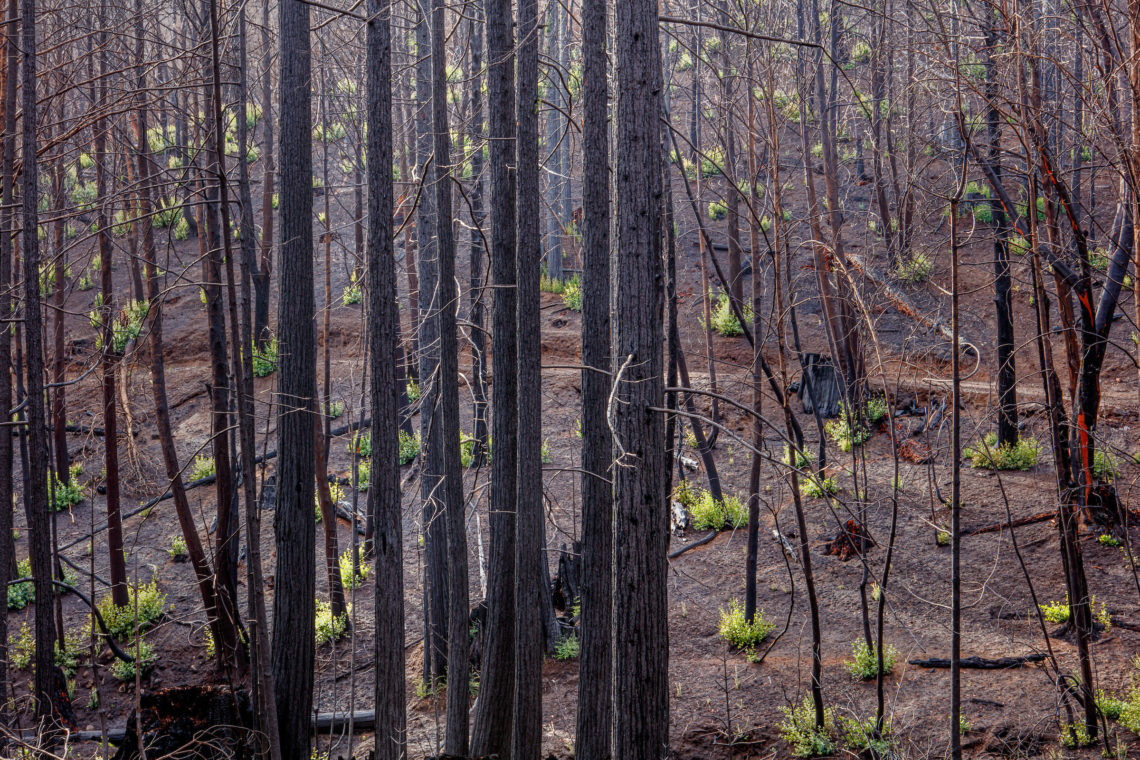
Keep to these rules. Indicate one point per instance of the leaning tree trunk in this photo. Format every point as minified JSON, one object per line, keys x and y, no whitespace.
{"x":641,"y":533}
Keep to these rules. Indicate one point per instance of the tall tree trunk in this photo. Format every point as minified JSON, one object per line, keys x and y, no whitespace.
{"x":527,"y":740}
{"x":595,"y":696}
{"x":477,"y":245}
{"x":449,"y":490}
{"x":383,"y":331}
{"x":261,"y":274}
{"x":108,"y":318}
{"x":431,"y":431}
{"x":293,"y":601}
{"x":219,"y":237}
{"x":492,"y":728}
{"x":11,"y":48}
{"x":35,"y":498}
{"x":641,"y":534}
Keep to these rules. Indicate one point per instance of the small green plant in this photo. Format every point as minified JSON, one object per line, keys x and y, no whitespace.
{"x":710,"y":514}
{"x":740,"y":632}
{"x":68,"y":494}
{"x":864,"y":738}
{"x":177,"y":550}
{"x":413,"y":391}
{"x":20,"y":595}
{"x":328,"y":627}
{"x":204,"y":467}
{"x":544,"y":453}
{"x":876,"y":410}
{"x":120,"y":621}
{"x":22,"y":648}
{"x":334,"y":409}
{"x":362,"y":444}
{"x":349,"y":579}
{"x":567,"y":648}
{"x":864,"y":664}
{"x":1056,"y":612}
{"x":265,"y":358}
{"x":572,"y":294}
{"x":1109,"y":705}
{"x":942,"y":537}
{"x":1074,"y":735}
{"x":724,"y":321}
{"x":85,"y":282}
{"x":914,"y":269}
{"x":352,"y":292}
{"x":798,"y":729}
{"x":1105,"y":465}
{"x":409,"y":447}
{"x":987,"y":454}
{"x":717,"y":210}
{"x":847,"y":431}
{"x":816,"y":488}
{"x":144,"y":656}
{"x":1106,"y":539}
{"x":802,"y":458}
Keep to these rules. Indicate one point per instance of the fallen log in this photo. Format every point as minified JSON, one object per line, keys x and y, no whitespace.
{"x":1018,"y":523}
{"x":980,"y":663}
{"x":701,"y":542}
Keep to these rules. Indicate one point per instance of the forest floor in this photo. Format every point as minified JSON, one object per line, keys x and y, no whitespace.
{"x":722,"y":705}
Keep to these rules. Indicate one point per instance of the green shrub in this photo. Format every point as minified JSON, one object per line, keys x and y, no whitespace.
{"x":204,"y":467}
{"x":741,"y":633}
{"x":709,"y":513}
{"x":352,"y":292}
{"x":864,"y":664}
{"x":144,"y":656}
{"x":1056,"y":612}
{"x":798,"y":729}
{"x":717,"y":210}
{"x":847,"y":431}
{"x":803,"y":458}
{"x":265,"y":359}
{"x":815,"y":487}
{"x":349,"y":579}
{"x":22,"y":648}
{"x":167,"y":214}
{"x":329,"y":628}
{"x":987,"y":454}
{"x":724,"y":321}
{"x":121,"y":620}
{"x":876,"y":410}
{"x":862,"y":738}
{"x":412,"y":388}
{"x":334,"y":409}
{"x":362,"y":443}
{"x":1106,"y":539}
{"x":409,"y":447}
{"x":1110,"y":706}
{"x":572,"y":294}
{"x":70,"y":493}
{"x":181,"y":229}
{"x":177,"y":550}
{"x":567,"y":648}
{"x":20,"y":595}
{"x":1105,"y":465}
{"x":711,"y":161}
{"x":861,"y":52}
{"x":914,"y":269}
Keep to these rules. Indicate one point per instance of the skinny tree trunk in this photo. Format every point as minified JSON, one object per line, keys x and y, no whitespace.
{"x":35,"y":498}
{"x":8,"y":221}
{"x":450,"y":489}
{"x":527,"y":740}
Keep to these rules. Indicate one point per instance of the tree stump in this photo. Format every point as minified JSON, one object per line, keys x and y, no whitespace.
{"x":850,"y":541}
{"x":211,"y":721}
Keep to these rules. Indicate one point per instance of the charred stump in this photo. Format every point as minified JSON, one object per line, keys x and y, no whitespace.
{"x":850,"y":542}
{"x":207,"y":721}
